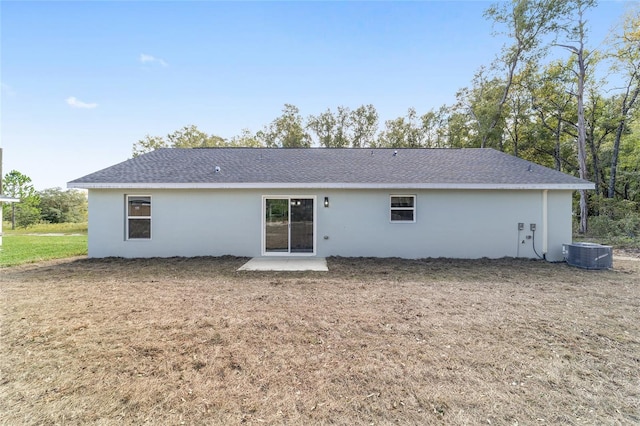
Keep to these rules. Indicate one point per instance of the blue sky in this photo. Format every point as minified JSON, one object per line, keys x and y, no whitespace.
{"x":83,"y":81}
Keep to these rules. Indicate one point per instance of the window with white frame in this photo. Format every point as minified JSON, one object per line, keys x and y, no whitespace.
{"x":138,"y":217}
{"x":403,"y":208}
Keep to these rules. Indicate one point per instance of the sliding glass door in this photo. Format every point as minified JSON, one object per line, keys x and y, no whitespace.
{"x":276,"y":232}
{"x":288,"y":225}
{"x":301,"y":229}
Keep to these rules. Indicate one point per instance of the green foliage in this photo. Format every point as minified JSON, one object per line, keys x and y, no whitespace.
{"x":245,"y":139}
{"x":554,"y":108}
{"x":526,"y":23}
{"x":286,"y":131}
{"x":364,"y":125}
{"x":482,"y":102}
{"x":192,"y":137}
{"x":434,"y":124}
{"x":49,"y":228}
{"x":403,"y":132}
{"x":50,"y":205}
{"x":324,"y":126}
{"x":17,"y":185}
{"x":148,"y":144}
{"x":60,"y":206}
{"x":345,"y":128}
{"x":618,"y":221}
{"x":27,"y":211}
{"x":624,"y":54}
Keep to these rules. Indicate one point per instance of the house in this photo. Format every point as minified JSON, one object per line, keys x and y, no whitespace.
{"x":410,"y":203}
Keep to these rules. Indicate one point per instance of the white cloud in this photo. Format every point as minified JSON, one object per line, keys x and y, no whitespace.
{"x":77,"y":103}
{"x":144,"y":58}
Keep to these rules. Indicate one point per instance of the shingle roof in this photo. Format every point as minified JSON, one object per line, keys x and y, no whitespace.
{"x":328,"y":168}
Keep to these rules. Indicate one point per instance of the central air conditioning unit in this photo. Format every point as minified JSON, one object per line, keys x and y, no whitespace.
{"x":588,"y":255}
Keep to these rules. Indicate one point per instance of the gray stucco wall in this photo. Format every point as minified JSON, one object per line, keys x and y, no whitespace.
{"x":449,"y":223}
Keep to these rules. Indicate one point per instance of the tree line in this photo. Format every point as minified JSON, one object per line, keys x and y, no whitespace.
{"x":549,"y":97}
{"x":52,"y":205}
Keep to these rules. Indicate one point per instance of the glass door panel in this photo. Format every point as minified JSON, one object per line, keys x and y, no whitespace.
{"x":301,"y":225}
{"x":276,"y":225}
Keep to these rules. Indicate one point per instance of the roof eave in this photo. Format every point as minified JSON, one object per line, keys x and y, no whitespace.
{"x":7,"y":199}
{"x":331,"y":185}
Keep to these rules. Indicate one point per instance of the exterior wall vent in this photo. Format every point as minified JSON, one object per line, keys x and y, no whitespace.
{"x":589,"y":256}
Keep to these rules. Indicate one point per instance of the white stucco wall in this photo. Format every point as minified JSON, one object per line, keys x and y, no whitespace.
{"x":183,"y":223}
{"x":457,"y":224}
{"x":560,"y":223}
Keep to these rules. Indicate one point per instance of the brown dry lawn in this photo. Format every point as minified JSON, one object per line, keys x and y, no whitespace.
{"x":192,"y":341}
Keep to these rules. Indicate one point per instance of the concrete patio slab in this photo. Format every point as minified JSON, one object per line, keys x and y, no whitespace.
{"x":285,"y":264}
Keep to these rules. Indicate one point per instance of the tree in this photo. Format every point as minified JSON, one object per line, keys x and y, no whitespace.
{"x":526,"y":22}
{"x":186,"y":137}
{"x":434,"y":127}
{"x":600,"y":124}
{"x":148,"y":144}
{"x":343,"y":128}
{"x":324,"y":126}
{"x":286,"y":131}
{"x":245,"y":139}
{"x":58,"y":206}
{"x":364,"y":123}
{"x":518,"y":126}
{"x":192,"y":137}
{"x":576,"y":30}
{"x":625,"y":53}
{"x":479,"y":103}
{"x":629,"y":165}
{"x":554,"y":106}
{"x":458,"y":133}
{"x":333,"y":130}
{"x":403,"y":132}
{"x":26,"y":212}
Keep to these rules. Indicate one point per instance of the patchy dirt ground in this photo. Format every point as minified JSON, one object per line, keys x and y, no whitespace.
{"x":193,"y":341}
{"x":626,"y":254}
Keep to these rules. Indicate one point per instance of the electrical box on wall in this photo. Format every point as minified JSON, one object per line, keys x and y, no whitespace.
{"x":521,"y":226}
{"x":532,"y":226}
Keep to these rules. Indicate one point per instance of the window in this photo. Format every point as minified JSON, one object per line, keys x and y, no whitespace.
{"x":138,"y":217}
{"x":403,"y":208}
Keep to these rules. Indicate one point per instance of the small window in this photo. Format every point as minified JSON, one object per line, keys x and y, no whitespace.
{"x":138,"y":217}
{"x":403,"y":208}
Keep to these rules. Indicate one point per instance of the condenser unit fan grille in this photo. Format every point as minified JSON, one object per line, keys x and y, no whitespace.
{"x":589,"y":256}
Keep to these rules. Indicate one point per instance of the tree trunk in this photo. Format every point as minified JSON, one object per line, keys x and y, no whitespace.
{"x":582,"y":154}
{"x":614,"y":160}
{"x":626,"y":106}
{"x":594,"y":154}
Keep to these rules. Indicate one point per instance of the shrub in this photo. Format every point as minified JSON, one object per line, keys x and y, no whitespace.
{"x":617,"y":221}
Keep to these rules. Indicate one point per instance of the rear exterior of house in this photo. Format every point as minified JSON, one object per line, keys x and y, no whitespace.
{"x":410,"y":203}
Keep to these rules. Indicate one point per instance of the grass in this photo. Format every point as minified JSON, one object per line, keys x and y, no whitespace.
{"x":47,"y":228}
{"x":42,"y":242}
{"x":373,"y":341}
